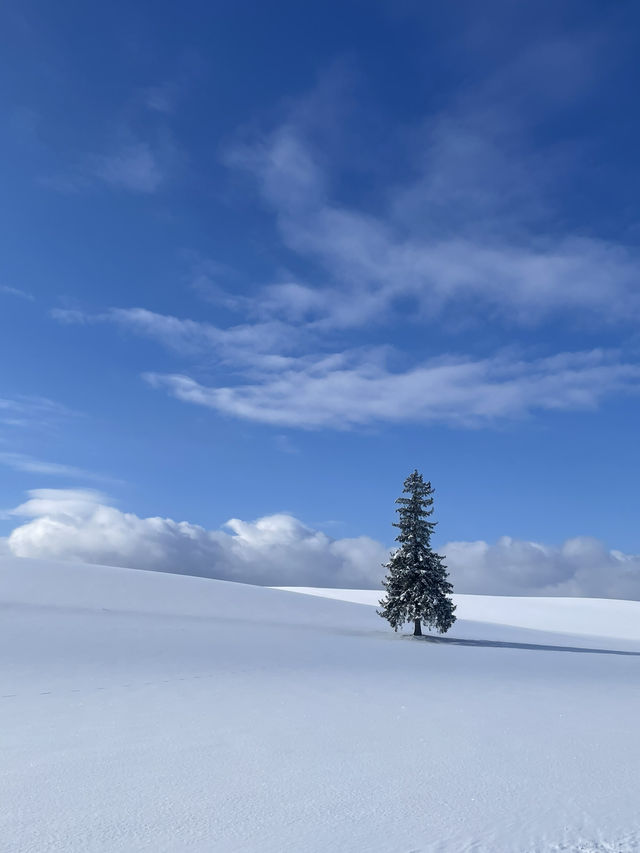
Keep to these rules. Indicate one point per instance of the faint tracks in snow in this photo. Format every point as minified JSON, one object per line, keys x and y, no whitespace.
{"x":627,"y":844}
{"x":76,"y":691}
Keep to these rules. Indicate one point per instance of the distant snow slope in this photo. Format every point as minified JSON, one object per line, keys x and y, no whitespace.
{"x":601,"y":617}
{"x":142,"y":711}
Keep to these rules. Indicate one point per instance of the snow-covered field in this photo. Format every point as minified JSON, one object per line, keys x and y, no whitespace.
{"x":147,"y":711}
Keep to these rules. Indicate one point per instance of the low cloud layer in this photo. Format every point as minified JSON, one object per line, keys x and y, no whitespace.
{"x":278,"y":549}
{"x":581,"y":566}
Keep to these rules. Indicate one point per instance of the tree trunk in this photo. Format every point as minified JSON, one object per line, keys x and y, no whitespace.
{"x":417,"y":631}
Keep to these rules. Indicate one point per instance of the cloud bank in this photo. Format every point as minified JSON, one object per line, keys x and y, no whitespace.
{"x":280,"y":550}
{"x":274,"y":550}
{"x":581,"y":566}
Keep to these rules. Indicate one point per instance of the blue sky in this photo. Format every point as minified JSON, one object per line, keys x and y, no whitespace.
{"x":267,"y":258}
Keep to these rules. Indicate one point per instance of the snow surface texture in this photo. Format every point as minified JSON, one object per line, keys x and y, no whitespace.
{"x":158,"y":712}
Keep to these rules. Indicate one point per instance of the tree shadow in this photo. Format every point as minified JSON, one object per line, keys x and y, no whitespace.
{"x":531,"y":647}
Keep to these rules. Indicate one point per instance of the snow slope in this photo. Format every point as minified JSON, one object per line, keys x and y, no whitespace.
{"x":156,"y":712}
{"x":602,"y":617}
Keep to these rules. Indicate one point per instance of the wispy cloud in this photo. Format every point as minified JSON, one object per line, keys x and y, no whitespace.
{"x":279,"y":380}
{"x":134,"y":167}
{"x":285,"y":445}
{"x":130,"y":165}
{"x":16,"y":291}
{"x":375,"y":263}
{"x":356,"y":389}
{"x":24,"y":462}
{"x":468,"y":236}
{"x":162,"y":98}
{"x":166,"y":96}
{"x":41,"y":412}
{"x":475,"y":225}
{"x":241,"y":343}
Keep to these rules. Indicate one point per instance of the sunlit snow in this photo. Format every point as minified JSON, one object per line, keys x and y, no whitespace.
{"x":142,"y":711}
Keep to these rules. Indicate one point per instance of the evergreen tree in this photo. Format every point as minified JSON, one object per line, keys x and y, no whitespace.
{"x":417,"y":589}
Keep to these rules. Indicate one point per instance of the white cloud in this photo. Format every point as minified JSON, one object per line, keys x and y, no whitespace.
{"x":241,"y":343}
{"x":472,"y":235}
{"x":356,"y":387}
{"x":30,"y":411}
{"x":579,"y":567}
{"x":373,"y":262}
{"x":24,"y":462}
{"x":73,"y":316}
{"x":280,"y":550}
{"x":351,"y":389}
{"x":277,"y":549}
{"x":134,"y":167}
{"x":15,"y":291}
{"x":285,"y":445}
{"x":130,"y":164}
{"x":474,"y":224}
{"x":191,"y":335}
{"x":275,"y":385}
{"x":162,"y":98}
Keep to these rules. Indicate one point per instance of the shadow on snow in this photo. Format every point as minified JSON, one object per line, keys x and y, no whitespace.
{"x":505,"y":644}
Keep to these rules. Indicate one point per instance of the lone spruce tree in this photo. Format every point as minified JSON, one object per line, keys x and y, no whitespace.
{"x":417,"y":589}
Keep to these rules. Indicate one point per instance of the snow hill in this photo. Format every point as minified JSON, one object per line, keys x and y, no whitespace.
{"x":142,"y":711}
